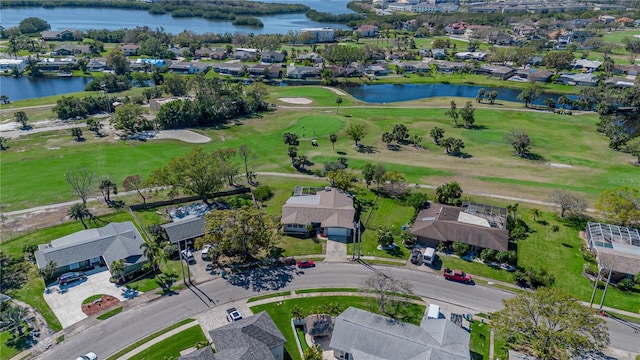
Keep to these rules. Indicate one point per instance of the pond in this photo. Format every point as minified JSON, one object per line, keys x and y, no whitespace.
{"x":26,"y":87}
{"x":387,"y":93}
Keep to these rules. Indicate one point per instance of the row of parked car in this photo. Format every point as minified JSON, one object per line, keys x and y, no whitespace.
{"x":426,"y":256}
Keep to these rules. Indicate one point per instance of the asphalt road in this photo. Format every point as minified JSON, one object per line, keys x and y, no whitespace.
{"x":110,"y":335}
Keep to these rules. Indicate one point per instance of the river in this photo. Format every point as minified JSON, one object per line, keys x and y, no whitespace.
{"x":91,"y":18}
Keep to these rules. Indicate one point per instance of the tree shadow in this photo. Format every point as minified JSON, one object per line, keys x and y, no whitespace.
{"x":341,"y":153}
{"x":81,"y":139}
{"x":366,"y":149}
{"x":567,"y":245}
{"x":264,"y":278}
{"x":393,"y":147}
{"x":476,"y":127}
{"x":26,"y":128}
{"x":533,"y":157}
{"x":576,"y":221}
{"x":461,"y":155}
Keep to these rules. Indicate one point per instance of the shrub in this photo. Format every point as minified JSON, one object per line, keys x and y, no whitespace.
{"x":460,"y":248}
{"x":408,"y":239}
{"x":508,"y":257}
{"x":487,"y":255}
{"x":625,"y":284}
{"x":534,"y":278}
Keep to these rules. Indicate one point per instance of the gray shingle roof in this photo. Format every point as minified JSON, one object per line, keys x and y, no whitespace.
{"x":184,"y":229}
{"x":248,"y":339}
{"x":206,"y":353}
{"x":332,"y":208}
{"x":114,"y":241}
{"x":373,"y":337}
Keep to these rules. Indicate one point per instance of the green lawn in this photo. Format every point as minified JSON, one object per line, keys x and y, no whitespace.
{"x":384,"y":212}
{"x":294,"y":246}
{"x":6,"y":352}
{"x":475,"y":268}
{"x":281,"y":313}
{"x":169,"y":349}
{"x":480,"y":339}
{"x":268,"y":296}
{"x":617,"y":36}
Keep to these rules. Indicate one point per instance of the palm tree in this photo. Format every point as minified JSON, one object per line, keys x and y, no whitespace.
{"x":50,"y":268}
{"x":333,"y":138}
{"x":535,"y":213}
{"x":117,"y":268}
{"x":79,"y":212}
{"x":153,"y":251}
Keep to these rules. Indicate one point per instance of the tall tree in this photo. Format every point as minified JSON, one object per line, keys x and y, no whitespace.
{"x":333,"y":138}
{"x":482,"y":93}
{"x":341,"y":179}
{"x":153,"y":252}
{"x":551,"y":324}
{"x":437,"y":134}
{"x":106,"y":186}
{"x":367,"y":173}
{"x":620,"y":205}
{"x":117,"y":268}
{"x":21,"y":118}
{"x":95,"y":126}
{"x":117,"y":61}
{"x":378,"y":175}
{"x":246,"y":154}
{"x":76,"y":132}
{"x":520,"y":141}
{"x":567,"y":201}
{"x":467,"y":113}
{"x":197,"y":172}
{"x":448,"y":193}
{"x":79,"y":212}
{"x":246,"y":231}
{"x":400,"y":133}
{"x":387,"y":138}
{"x":130,"y":117}
{"x":356,"y":132}
{"x":530,"y":94}
{"x":453,"y":113}
{"x":385,"y":289}
{"x":290,"y":139}
{"x":493,"y":95}
{"x":176,"y":85}
{"x":83,"y":182}
{"x":134,"y":182}
{"x":338,"y":102}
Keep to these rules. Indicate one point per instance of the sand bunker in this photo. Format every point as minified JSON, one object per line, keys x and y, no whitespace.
{"x":183,"y":135}
{"x":296,"y":100}
{"x":556,"y":165}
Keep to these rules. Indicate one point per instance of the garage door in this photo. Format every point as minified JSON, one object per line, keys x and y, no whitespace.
{"x":342,"y":232}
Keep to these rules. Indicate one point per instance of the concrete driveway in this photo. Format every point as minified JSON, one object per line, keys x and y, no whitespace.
{"x":66,"y":301}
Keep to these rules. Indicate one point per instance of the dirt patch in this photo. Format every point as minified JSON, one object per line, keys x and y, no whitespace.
{"x":564,"y":166}
{"x":296,"y":100}
{"x":96,"y":306}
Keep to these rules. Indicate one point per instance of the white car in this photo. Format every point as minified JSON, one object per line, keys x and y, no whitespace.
{"x":88,"y":356}
{"x":233,"y":315}
{"x":187,"y":255}
{"x":205,"y":252}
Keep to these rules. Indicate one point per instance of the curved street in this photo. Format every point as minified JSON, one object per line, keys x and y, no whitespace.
{"x":150,"y":315}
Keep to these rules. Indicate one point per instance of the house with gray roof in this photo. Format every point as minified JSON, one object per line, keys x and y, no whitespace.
{"x":86,"y":248}
{"x":581,"y":79}
{"x":477,"y":225}
{"x":184,"y":231}
{"x":359,"y":334}
{"x":251,"y":338}
{"x":329,"y":211}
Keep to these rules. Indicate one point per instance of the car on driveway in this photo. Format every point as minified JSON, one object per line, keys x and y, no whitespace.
{"x":205,"y":252}
{"x":88,"y":356}
{"x":416,"y":256}
{"x":303,"y":264}
{"x":66,"y":278}
{"x":233,"y":315}
{"x":187,"y":255}
{"x":507,"y":267}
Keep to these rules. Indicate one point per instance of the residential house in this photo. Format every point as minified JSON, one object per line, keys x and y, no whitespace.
{"x":62,"y":35}
{"x":502,"y":71}
{"x":302,"y":72}
{"x":179,"y":51}
{"x":361,"y":335}
{"x":319,"y":35}
{"x":130,"y":49}
{"x":311,"y":57}
{"x":474,"y":31}
{"x":245,"y":54}
{"x":203,"y":53}
{"x":218,"y":54}
{"x":52,"y":64}
{"x":616,"y":248}
{"x":625,"y":21}
{"x":535,"y":75}
{"x":582,"y":79}
{"x":97,"y":64}
{"x":606,"y":19}
{"x":500,"y":38}
{"x":368,"y":30}
{"x":524,"y":30}
{"x":328,"y":211}
{"x":456,"y":28}
{"x":94,"y":247}
{"x":631,"y":70}
{"x":619,"y":83}
{"x":450,"y":66}
{"x":270,"y":57}
{"x":184,"y":232}
{"x":70,"y":49}
{"x":272,"y":71}
{"x":377,"y":70}
{"x":466,"y":55}
{"x":477,"y":225}
{"x":190,"y":67}
{"x":10,"y":64}
{"x":587,"y":65}
{"x":153,"y":62}
{"x":439,"y":54}
{"x":254,"y":337}
{"x":233,"y":69}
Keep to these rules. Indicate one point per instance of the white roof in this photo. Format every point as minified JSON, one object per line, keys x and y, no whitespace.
{"x":11,"y":61}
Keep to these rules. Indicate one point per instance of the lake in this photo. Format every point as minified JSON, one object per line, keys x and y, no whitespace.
{"x":386,"y":93}
{"x":90,"y":18}
{"x":26,"y":87}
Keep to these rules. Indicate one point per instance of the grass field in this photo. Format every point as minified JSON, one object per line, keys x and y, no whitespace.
{"x":281,"y":313}
{"x":6,"y":352}
{"x":617,"y":36}
{"x":170,"y":348}
{"x":491,"y":166}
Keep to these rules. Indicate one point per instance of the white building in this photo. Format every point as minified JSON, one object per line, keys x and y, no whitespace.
{"x":320,"y":34}
{"x":10,"y":64}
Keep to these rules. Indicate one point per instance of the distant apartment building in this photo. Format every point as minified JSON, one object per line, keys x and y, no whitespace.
{"x":319,"y":35}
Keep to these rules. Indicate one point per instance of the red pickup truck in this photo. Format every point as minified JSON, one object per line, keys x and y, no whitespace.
{"x":456,"y":275}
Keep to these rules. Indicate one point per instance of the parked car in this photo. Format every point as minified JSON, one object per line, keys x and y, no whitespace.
{"x":507,"y":267}
{"x":303,"y":264}
{"x":88,"y":356}
{"x":416,"y":254}
{"x":187,"y":255}
{"x":428,"y":256}
{"x":205,"y":252}
{"x":456,"y":275}
{"x":66,"y":278}
{"x":233,"y":315}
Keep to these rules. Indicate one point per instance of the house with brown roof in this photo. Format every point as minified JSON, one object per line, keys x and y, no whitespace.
{"x":477,"y":225}
{"x":130,"y":49}
{"x":66,"y":34}
{"x":328,"y":211}
{"x":535,"y":75}
{"x":368,"y":30}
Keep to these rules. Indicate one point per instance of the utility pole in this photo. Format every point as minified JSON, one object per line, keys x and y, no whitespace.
{"x":184,"y":279}
{"x":359,"y":239}
{"x":605,"y":288}
{"x":595,"y":286}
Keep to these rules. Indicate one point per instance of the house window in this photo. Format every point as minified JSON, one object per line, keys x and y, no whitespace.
{"x":74,"y":266}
